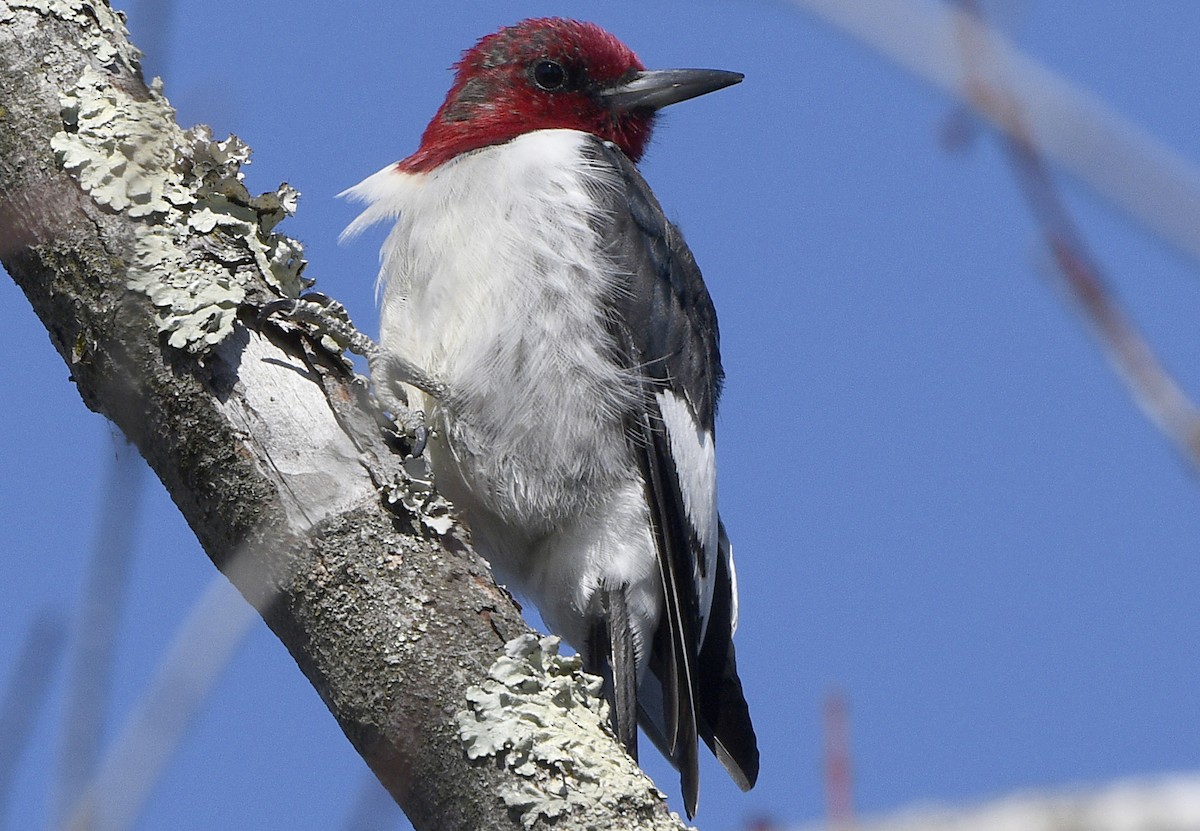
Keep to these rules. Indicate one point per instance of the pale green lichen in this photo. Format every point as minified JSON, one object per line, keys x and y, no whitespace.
{"x":117,"y":150}
{"x":102,"y":27}
{"x":413,"y":488}
{"x":542,"y":717}
{"x":203,"y":234}
{"x":196,"y":303}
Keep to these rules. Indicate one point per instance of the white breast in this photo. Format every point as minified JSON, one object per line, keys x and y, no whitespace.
{"x":493,"y":281}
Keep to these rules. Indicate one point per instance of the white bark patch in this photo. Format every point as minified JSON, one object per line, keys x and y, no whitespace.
{"x":301,"y":443}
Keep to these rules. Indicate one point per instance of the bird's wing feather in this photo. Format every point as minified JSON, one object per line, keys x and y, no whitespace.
{"x":665,"y":328}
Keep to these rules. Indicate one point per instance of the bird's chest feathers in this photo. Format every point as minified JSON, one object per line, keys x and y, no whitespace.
{"x":493,"y":259}
{"x":495,"y":281}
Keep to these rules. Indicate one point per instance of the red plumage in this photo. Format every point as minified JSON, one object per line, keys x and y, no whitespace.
{"x":494,"y":99}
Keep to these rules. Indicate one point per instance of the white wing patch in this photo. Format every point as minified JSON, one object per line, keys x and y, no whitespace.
{"x":727,"y":553}
{"x":695,"y":462}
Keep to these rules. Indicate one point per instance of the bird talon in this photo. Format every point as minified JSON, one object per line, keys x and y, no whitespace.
{"x":320,"y":298}
{"x":420,"y":440}
{"x":273,"y":308}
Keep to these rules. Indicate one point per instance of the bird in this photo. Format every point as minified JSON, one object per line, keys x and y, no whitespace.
{"x":553,"y":329}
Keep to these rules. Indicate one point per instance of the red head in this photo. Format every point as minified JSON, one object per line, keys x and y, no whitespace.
{"x":551,"y":73}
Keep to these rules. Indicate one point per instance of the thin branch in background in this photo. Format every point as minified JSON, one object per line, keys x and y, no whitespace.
{"x":962,"y":126}
{"x":1152,"y":387}
{"x":25,"y":695}
{"x":205,"y":643}
{"x":1043,"y":116}
{"x":1122,"y":162}
{"x":839,"y":774}
{"x":202,"y":648}
{"x":112,"y":796}
{"x":373,"y":809}
{"x":1147,"y":380}
{"x":95,"y":637}
{"x":216,"y":625}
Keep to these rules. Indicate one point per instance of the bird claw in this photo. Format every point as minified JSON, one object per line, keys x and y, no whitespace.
{"x":409,"y":422}
{"x":325,"y":314}
{"x":420,"y":439}
{"x":320,"y":298}
{"x":328,"y":317}
{"x":286,"y":305}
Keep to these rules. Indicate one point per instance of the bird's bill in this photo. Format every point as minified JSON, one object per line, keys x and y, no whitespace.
{"x":656,"y":89}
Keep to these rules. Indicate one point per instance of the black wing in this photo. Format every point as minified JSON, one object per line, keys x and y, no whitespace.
{"x":665,"y":326}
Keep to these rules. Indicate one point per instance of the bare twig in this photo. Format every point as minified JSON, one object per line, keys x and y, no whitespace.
{"x":839,"y":782}
{"x":26,"y":694}
{"x":96,"y":628}
{"x":215,"y":627}
{"x":1122,"y":162}
{"x":1147,"y":380}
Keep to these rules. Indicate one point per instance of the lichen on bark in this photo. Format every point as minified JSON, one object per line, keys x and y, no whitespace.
{"x":541,"y":716}
{"x":202,"y":231}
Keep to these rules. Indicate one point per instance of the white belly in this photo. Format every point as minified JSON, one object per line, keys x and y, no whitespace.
{"x":492,"y":281}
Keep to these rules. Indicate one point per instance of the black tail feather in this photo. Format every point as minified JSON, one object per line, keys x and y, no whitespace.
{"x":610,"y":655}
{"x":722,"y":715}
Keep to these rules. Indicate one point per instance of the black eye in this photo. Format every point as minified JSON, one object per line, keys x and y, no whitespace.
{"x":549,"y":75}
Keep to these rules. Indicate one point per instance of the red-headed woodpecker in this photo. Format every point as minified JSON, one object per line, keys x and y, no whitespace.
{"x":569,"y":370}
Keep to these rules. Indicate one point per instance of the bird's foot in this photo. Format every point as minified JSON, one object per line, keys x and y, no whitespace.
{"x":330,"y":321}
{"x":325,"y":315}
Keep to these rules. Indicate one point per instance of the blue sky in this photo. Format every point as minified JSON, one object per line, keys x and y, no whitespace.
{"x":942,"y":501}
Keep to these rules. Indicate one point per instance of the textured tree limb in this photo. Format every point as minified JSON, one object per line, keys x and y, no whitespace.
{"x":139,"y":249}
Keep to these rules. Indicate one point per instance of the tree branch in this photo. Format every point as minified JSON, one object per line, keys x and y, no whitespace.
{"x":139,"y":249}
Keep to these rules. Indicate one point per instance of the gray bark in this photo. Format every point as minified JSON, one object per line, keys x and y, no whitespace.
{"x":269,"y":449}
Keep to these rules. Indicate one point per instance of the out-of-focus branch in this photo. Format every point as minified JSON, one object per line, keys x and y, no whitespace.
{"x":113,"y":797}
{"x":839,"y":773}
{"x":154,"y":26}
{"x":25,"y":695}
{"x":1163,"y":804}
{"x":1148,"y":382}
{"x":1070,"y":126}
{"x":1039,"y":116}
{"x":95,"y":635}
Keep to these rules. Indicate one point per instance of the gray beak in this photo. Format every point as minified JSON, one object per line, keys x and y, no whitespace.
{"x":653,"y":90}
